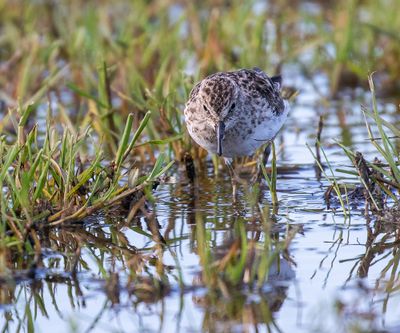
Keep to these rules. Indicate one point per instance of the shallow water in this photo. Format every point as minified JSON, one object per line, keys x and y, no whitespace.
{"x":319,"y":285}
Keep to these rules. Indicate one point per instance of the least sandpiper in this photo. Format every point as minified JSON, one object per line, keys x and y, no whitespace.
{"x":234,"y":113}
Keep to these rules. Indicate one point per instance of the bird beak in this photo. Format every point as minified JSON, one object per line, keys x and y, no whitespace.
{"x":220,"y":136}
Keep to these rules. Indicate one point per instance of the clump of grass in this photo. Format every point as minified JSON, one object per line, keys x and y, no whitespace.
{"x":52,"y":181}
{"x":380,"y":178}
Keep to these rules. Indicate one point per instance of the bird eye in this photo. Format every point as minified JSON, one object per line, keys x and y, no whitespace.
{"x":232,"y":107}
{"x":205,"y":108}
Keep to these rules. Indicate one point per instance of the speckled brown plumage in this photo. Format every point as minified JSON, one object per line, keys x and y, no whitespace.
{"x":247,"y":101}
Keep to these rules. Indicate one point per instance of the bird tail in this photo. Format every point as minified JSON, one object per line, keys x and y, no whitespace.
{"x":277,"y":79}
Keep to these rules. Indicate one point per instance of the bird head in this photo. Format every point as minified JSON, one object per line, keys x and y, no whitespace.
{"x":218,"y":96}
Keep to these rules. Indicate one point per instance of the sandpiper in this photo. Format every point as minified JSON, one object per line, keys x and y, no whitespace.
{"x":234,"y":113}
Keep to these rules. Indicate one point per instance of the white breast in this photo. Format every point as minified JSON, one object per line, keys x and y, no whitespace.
{"x":235,"y":145}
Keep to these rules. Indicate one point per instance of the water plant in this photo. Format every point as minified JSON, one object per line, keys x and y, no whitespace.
{"x":57,"y":180}
{"x":380,"y":178}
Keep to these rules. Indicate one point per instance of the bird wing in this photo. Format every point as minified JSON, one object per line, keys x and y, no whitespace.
{"x":259,"y":87}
